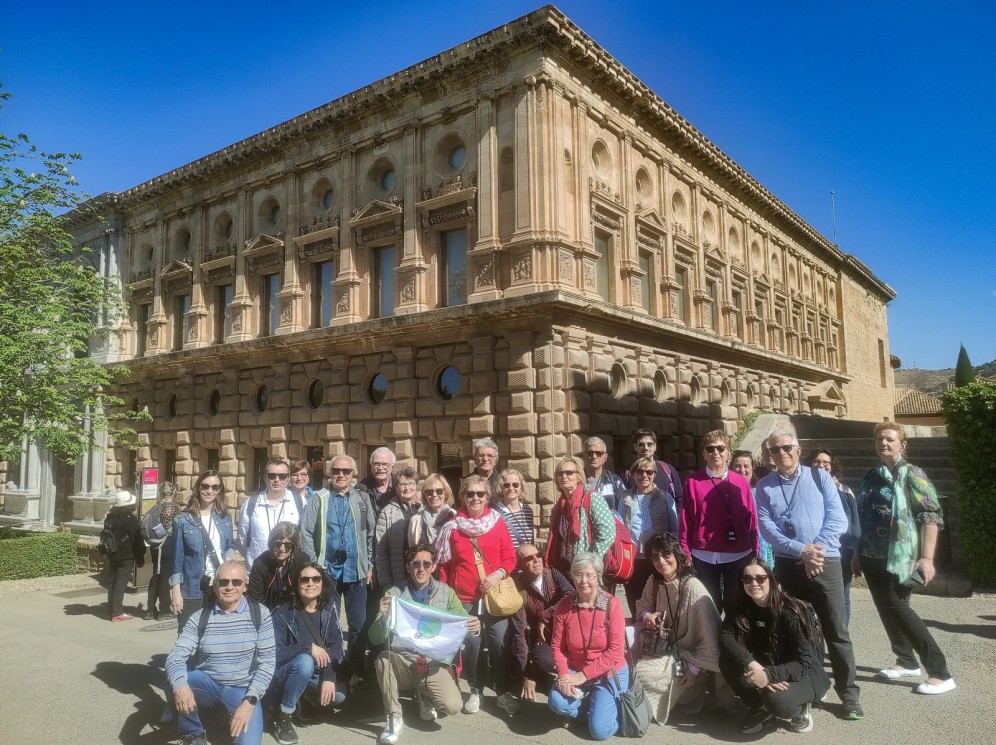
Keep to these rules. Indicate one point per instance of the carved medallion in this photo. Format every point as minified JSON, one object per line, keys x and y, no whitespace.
{"x":343,"y":305}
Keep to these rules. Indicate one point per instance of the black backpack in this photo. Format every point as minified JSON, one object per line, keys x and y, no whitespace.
{"x":254,"y":499}
{"x":109,"y":543}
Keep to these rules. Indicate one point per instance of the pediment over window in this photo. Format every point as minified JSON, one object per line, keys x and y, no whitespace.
{"x":264,"y":252}
{"x":651,"y":219}
{"x":175,"y":268}
{"x":762,"y":278}
{"x":219,"y":257}
{"x":825,"y":395}
{"x":378,"y":221}
{"x":715,"y":253}
{"x":450,"y":206}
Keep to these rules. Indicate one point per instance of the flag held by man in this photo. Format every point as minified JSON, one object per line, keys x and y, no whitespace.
{"x":430,"y":632}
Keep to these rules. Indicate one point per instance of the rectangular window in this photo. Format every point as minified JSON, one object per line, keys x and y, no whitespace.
{"x":324,"y":308}
{"x":761,"y":321}
{"x":737,"y":298}
{"x":645,"y":263}
{"x":882,"y":363}
{"x":681,"y":280}
{"x":602,"y":245}
{"x":181,"y":304}
{"x":269,"y":308}
{"x":259,"y":458}
{"x":383,"y":282}
{"x":212,"y":458}
{"x":713,"y":292}
{"x":453,"y":268}
{"x":144,"y":313}
{"x":316,"y":462}
{"x":169,"y":466}
{"x":223,"y":313}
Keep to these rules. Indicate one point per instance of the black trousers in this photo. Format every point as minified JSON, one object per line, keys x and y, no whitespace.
{"x":782,"y":704}
{"x":825,"y":592}
{"x":121,"y":573}
{"x":906,"y":630}
{"x":642,"y":569}
{"x":721,"y":580}
{"x":158,"y":599}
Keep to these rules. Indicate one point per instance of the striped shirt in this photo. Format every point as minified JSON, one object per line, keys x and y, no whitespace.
{"x":520,"y":524}
{"x":229,"y":648}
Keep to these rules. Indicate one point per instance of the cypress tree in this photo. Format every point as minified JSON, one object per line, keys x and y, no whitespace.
{"x":964,"y":374}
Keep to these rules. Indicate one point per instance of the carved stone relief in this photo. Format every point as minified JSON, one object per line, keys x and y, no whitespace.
{"x":408,"y":291}
{"x":343,"y":305}
{"x":589,"y":275}
{"x":485,"y":274}
{"x":566,"y":266}
{"x":523,"y":268}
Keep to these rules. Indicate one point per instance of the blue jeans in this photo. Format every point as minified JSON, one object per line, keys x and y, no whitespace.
{"x":354,"y":594}
{"x":289,"y":683}
{"x":600,"y":701}
{"x":207,"y":695}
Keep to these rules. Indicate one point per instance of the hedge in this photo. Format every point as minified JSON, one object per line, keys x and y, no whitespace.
{"x":26,"y":555}
{"x":970,"y":414}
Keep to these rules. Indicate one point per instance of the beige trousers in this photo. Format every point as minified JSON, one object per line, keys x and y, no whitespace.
{"x":395,"y":673}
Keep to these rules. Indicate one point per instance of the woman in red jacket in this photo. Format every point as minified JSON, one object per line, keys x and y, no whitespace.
{"x":589,"y":637}
{"x":718,"y":526}
{"x":478,"y":536}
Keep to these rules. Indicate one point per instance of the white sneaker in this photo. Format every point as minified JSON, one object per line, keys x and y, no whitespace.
{"x":426,"y":711}
{"x":473,"y":704}
{"x":932,"y":690}
{"x":509,"y":704}
{"x":392,"y":731}
{"x":891,"y":673}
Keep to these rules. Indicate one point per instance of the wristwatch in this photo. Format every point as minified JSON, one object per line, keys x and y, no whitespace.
{"x":253,"y":700}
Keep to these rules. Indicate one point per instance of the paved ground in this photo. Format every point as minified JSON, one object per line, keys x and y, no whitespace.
{"x":69,"y":676}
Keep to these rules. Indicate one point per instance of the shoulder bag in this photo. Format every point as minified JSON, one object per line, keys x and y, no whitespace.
{"x":503,"y":599}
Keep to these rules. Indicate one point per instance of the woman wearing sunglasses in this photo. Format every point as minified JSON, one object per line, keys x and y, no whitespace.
{"x":765,"y":654}
{"x":309,"y":651}
{"x":273,"y":574}
{"x":718,"y":522}
{"x":646,"y":510}
{"x":517,"y":515}
{"x":437,"y":510}
{"x":478,"y":534}
{"x":202,"y":541}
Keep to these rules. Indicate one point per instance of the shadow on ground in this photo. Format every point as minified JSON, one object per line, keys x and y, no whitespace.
{"x":985,"y":631}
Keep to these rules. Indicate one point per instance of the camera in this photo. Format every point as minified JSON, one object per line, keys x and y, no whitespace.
{"x":339,"y":558}
{"x":679,"y":667}
{"x":788,"y":528}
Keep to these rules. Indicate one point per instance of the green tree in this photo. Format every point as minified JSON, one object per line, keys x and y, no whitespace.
{"x":964,"y":373}
{"x":50,"y":389}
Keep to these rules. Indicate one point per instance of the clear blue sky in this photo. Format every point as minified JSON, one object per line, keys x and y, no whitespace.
{"x":891,"y":105}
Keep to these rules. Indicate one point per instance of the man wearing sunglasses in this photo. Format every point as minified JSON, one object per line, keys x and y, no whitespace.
{"x":234,"y":661}
{"x":666,"y":479}
{"x":337,"y":531}
{"x":542,"y":588}
{"x":599,"y":478}
{"x":261,"y":512}
{"x":800,"y":514}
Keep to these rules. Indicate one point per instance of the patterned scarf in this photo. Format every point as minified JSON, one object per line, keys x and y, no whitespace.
{"x":904,"y":539}
{"x":471,"y":527}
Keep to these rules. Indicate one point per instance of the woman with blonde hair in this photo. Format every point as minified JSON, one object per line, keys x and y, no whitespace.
{"x":581,"y":520}
{"x":437,"y":510}
{"x":517,"y":515}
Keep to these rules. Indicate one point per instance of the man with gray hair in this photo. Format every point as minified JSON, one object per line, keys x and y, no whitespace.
{"x":486,"y":463}
{"x":337,"y":531}
{"x":799,"y":512}
{"x":379,"y":484}
{"x":600,"y":479}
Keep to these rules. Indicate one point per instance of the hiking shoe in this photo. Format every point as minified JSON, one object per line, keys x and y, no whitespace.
{"x":755,"y":720}
{"x":284,"y":731}
{"x":426,"y":711}
{"x":197,"y":739}
{"x":123,"y":617}
{"x":509,"y":704}
{"x":473,"y":704}
{"x":801,"y":722}
{"x":853,"y":710}
{"x":392,"y":731}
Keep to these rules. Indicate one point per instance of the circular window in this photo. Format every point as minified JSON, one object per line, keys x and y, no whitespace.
{"x":328,"y":199}
{"x":448,"y":383}
{"x":275,"y":214}
{"x":643,"y":188}
{"x":171,"y":406}
{"x":617,"y":381}
{"x":600,"y":160}
{"x":387,"y":180}
{"x":458,"y":156}
{"x":224,"y":228}
{"x":660,"y":386}
{"x":316,"y":394}
{"x":262,"y":399}
{"x":377,"y":389}
{"x":214,"y":402}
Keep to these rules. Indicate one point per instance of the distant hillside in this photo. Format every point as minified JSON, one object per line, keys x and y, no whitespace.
{"x":935,"y":382}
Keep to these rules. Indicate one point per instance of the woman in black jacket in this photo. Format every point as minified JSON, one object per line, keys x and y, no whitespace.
{"x":765,"y":654}
{"x":309,"y":650}
{"x":275,"y":571}
{"x":130,"y":553}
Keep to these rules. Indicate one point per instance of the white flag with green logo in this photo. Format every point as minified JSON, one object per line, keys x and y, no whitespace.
{"x":430,"y":632}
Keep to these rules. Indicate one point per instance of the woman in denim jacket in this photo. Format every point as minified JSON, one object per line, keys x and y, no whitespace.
{"x":194,"y":564}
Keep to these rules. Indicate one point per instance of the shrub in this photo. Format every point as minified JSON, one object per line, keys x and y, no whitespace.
{"x":26,"y":555}
{"x":970,"y":414}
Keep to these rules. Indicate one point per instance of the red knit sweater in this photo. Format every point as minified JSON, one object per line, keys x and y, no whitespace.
{"x":580,"y":642}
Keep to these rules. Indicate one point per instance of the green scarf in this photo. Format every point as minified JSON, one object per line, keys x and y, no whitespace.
{"x":904,"y":538}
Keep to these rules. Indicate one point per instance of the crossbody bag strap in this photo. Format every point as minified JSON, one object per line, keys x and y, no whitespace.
{"x":478,"y":556}
{"x":208,"y":544}
{"x":315,"y":633}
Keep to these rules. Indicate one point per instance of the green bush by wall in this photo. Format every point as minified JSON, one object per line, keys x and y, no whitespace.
{"x":970,"y":414}
{"x":25,"y":555}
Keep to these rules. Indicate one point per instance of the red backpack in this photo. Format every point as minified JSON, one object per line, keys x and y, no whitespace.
{"x":620,"y":559}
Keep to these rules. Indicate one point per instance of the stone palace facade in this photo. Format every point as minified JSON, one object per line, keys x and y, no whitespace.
{"x":515,"y":238}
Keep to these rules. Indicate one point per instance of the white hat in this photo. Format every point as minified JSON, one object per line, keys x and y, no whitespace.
{"x":124,"y":498}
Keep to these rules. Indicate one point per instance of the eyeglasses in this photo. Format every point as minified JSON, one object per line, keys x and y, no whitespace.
{"x":715,"y":448}
{"x":310,"y":579}
{"x":511,"y":485}
{"x":420,"y":564}
{"x":531,"y":557}
{"x":646,"y":471}
{"x":566,"y":473}
{"x":282,"y":544}
{"x":754,"y":579}
{"x":595,"y":453}
{"x":407,"y":485}
{"x":486,"y":456}
{"x":436,"y":492}
{"x":380,"y":466}
{"x":276,"y":476}
{"x":475,"y":494}
{"x":300,"y":475}
{"x":224,"y":582}
{"x":784,"y":448}
{"x":340,"y":471}
{"x":210,"y":487}
{"x":587,"y":577}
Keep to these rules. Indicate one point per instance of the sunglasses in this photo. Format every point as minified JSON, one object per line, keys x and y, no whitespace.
{"x":475,"y":494}
{"x":715,"y":448}
{"x":784,"y":448}
{"x":310,"y":579}
{"x":436,"y":492}
{"x":276,"y":476}
{"x":566,"y":473}
{"x":420,"y":564}
{"x":531,"y":557}
{"x":512,"y":485}
{"x":646,"y":471}
{"x":340,"y":471}
{"x":282,"y":544}
{"x":210,"y":487}
{"x":595,"y":453}
{"x":754,"y":579}
{"x":222,"y":582}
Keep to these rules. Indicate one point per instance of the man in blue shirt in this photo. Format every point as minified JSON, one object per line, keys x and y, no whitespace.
{"x":234,"y":664}
{"x":337,"y":531}
{"x":800,"y":514}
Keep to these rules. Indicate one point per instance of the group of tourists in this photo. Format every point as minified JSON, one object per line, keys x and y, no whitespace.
{"x":734,"y":584}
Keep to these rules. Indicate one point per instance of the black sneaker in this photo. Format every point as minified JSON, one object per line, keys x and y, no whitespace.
{"x":802,"y":722}
{"x":853,"y":710}
{"x":754,"y":721}
{"x":284,"y":731}
{"x":197,"y":739}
